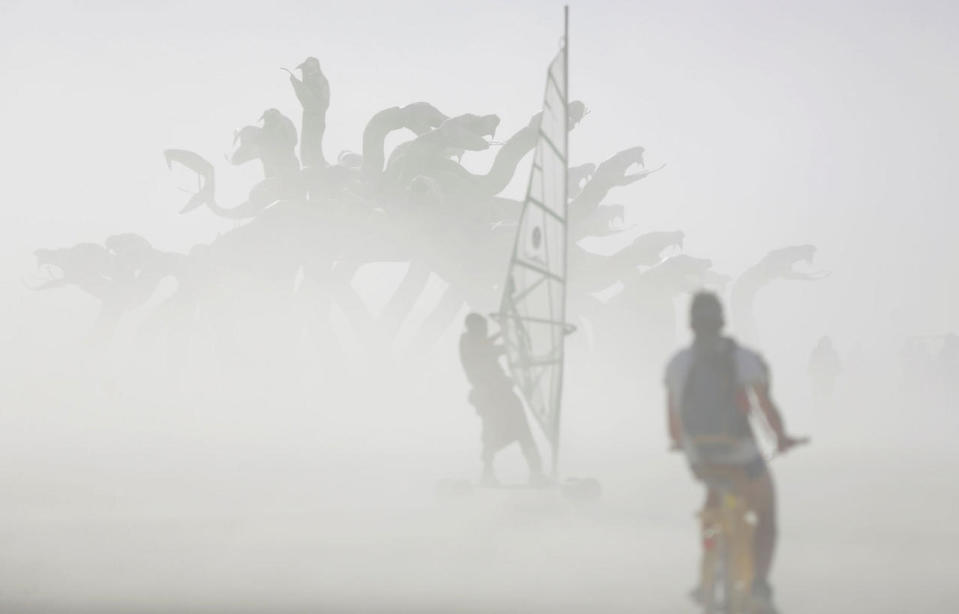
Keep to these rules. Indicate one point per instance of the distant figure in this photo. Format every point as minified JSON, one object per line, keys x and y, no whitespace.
{"x":504,"y":419}
{"x":708,"y":386}
{"x":313,"y":92}
{"x":824,"y":368}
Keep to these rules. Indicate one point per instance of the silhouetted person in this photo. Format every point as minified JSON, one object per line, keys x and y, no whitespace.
{"x":313,"y":92}
{"x":824,"y":368}
{"x":504,"y":419}
{"x":708,"y":386}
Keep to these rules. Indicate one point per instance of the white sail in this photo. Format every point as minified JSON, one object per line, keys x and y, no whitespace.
{"x":533,"y":309}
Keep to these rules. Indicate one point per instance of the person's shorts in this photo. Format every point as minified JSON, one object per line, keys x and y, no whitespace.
{"x":504,"y":420}
{"x":724,"y":477}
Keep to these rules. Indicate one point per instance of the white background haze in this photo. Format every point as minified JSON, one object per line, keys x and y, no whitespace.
{"x":780,"y":123}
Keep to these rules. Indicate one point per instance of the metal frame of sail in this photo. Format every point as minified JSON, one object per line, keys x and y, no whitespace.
{"x":562,"y":369}
{"x":508,"y":308}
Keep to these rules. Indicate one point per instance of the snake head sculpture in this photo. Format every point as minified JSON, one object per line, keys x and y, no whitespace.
{"x":681,"y":273}
{"x":131,"y":251}
{"x":80,"y":264}
{"x":647,"y":249}
{"x":421,"y":117}
{"x":204,"y":171}
{"x":602,"y":221}
{"x":465,"y":132}
{"x":783,"y":263}
{"x":577,"y":177}
{"x":49,"y":266}
{"x":576,"y":111}
{"x":617,"y":167}
{"x":246,"y":144}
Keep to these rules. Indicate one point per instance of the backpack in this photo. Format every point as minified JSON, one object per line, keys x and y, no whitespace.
{"x":710,"y":413}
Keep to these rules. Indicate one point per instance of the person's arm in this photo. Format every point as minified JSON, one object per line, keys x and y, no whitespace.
{"x":774,"y":418}
{"x":498,"y":348}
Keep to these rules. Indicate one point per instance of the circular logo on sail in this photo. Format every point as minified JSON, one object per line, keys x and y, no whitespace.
{"x":537,"y":237}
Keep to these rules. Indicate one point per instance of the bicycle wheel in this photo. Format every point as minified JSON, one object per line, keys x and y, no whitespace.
{"x":730,"y":602}
{"x":711,"y":571}
{"x":737,"y":557}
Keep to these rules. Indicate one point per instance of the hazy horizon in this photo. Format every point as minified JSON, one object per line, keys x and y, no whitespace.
{"x":303,"y":479}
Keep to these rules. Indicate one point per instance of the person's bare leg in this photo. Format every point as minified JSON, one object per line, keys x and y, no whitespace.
{"x":760,"y":495}
{"x":709,"y":518}
{"x":489,"y":475}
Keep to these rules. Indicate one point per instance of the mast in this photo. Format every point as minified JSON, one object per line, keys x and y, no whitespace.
{"x":559,"y":409}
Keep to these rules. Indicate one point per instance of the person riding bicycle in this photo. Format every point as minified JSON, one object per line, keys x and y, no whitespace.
{"x":709,"y":386}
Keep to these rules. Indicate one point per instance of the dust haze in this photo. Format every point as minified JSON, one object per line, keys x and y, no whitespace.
{"x":232,"y":371}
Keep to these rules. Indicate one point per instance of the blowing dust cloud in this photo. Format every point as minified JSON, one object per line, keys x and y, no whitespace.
{"x":479,"y":307}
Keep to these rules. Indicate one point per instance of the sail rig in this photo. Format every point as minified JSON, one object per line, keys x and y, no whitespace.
{"x":532,"y":312}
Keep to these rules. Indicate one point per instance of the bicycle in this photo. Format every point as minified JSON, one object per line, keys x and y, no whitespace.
{"x":726,"y":574}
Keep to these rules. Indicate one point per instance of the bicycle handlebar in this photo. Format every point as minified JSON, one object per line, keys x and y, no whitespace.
{"x":795,"y":442}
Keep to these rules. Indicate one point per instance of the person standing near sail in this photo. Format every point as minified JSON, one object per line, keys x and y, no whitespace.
{"x":502,"y":413}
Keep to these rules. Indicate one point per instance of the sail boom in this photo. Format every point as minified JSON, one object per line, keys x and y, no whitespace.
{"x":539,"y":270}
{"x":564,"y":324}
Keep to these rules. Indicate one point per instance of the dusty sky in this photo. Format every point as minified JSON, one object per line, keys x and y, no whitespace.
{"x":831,"y":123}
{"x":780,"y":123}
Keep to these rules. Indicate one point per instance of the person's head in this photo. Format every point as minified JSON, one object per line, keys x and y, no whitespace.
{"x":476,"y":325}
{"x":706,"y":314}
